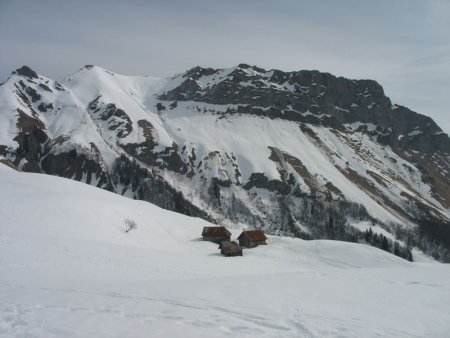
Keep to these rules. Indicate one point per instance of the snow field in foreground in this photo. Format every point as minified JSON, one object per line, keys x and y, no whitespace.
{"x":68,"y":269}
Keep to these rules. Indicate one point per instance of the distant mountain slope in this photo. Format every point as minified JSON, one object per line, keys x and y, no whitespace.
{"x":302,"y":153}
{"x":69,"y":268}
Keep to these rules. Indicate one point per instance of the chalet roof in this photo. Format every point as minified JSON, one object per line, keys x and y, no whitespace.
{"x":253,"y":235}
{"x":216,"y":232}
{"x":229,"y":245}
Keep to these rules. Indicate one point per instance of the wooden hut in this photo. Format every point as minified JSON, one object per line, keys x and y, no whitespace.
{"x":230,"y":248}
{"x":252,"y":238}
{"x":216,"y":234}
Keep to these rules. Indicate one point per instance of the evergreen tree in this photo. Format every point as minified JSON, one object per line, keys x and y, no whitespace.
{"x":385,"y":244}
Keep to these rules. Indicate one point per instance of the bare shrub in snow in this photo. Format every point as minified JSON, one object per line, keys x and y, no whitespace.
{"x":130,"y":225}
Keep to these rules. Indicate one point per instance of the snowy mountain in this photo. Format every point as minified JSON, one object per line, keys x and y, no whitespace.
{"x":304,"y":154}
{"x":68,"y":268}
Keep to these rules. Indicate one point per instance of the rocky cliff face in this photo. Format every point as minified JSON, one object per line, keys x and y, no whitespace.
{"x":303,"y":153}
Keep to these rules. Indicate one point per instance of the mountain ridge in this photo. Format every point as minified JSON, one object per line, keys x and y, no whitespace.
{"x":328,"y":153}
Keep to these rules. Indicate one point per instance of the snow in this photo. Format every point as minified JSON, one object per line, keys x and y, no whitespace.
{"x":8,"y":106}
{"x":343,"y":152}
{"x":133,"y":94}
{"x":355,"y":125}
{"x":249,"y":138}
{"x":414,"y":133}
{"x":233,"y":134}
{"x":68,"y":269}
{"x":368,"y":158}
{"x":292,"y":87}
{"x":242,"y":141}
{"x":208,"y":81}
{"x":341,"y":109}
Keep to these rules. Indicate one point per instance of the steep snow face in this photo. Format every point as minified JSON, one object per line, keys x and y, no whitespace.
{"x":42,"y":104}
{"x":295,"y":153}
{"x":327,"y":155}
{"x":250,"y":139}
{"x":68,"y":268}
{"x":128,"y":93}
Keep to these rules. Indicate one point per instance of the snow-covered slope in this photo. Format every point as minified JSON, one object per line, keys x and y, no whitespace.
{"x":304,"y":153}
{"x":68,"y":268}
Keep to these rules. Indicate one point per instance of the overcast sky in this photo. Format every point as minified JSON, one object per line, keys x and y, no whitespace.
{"x":403,"y":44}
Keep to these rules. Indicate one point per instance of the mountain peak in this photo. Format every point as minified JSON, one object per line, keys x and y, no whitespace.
{"x":247,"y":66}
{"x":26,"y":71}
{"x":94,"y":69}
{"x":323,"y":151}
